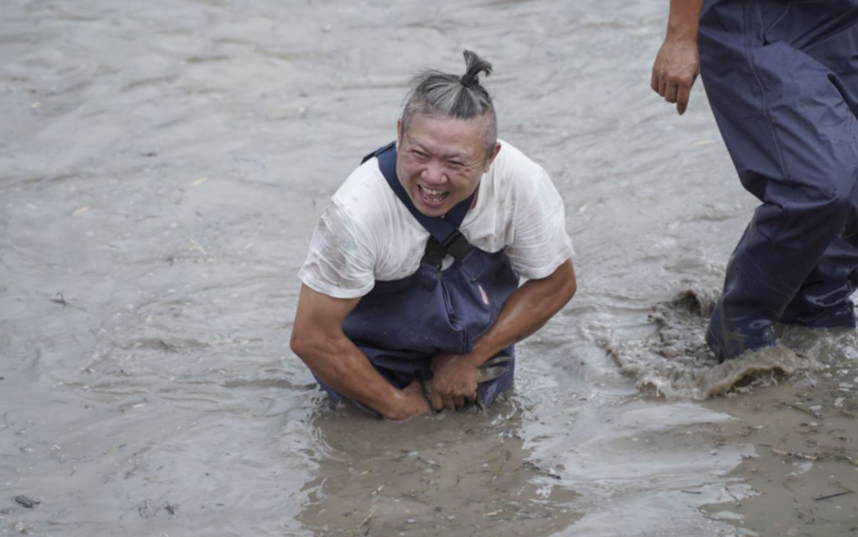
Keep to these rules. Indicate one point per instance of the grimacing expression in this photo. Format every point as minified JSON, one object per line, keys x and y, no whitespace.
{"x":440,"y":160}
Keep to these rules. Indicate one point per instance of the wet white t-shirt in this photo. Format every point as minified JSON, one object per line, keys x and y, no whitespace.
{"x":366,"y":234}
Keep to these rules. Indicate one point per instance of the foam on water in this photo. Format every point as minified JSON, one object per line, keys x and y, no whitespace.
{"x":677,"y":364}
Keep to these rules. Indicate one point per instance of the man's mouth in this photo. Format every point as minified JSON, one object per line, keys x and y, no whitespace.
{"x":432,"y":197}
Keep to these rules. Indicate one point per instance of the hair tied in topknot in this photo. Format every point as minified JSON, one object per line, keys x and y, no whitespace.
{"x":447,"y":95}
{"x":474,"y":65}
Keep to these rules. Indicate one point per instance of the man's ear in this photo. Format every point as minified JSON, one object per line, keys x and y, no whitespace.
{"x":492,"y":156}
{"x":398,"y":132}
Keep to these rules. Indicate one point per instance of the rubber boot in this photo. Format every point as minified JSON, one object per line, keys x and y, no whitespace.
{"x":746,"y":311}
{"x":841,"y":315}
{"x":823,"y":300}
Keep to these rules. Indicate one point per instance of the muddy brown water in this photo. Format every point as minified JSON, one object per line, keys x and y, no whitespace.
{"x":162,"y":165}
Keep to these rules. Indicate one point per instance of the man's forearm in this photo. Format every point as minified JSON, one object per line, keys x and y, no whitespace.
{"x":684,"y":19}
{"x":526,"y":311}
{"x":341,"y":365}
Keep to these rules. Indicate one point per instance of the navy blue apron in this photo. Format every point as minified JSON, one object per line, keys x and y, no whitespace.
{"x":782,"y":79}
{"x":400,"y":325}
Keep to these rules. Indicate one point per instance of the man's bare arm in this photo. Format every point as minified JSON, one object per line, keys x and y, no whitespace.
{"x":525,"y":312}
{"x":678,"y":62}
{"x":318,"y":339}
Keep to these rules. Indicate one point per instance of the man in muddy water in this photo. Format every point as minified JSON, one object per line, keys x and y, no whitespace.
{"x":413,"y":270}
{"x":782,"y":80}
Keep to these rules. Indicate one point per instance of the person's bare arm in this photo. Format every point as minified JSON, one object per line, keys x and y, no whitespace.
{"x":318,"y":339}
{"x":678,"y":62}
{"x":525,"y":312}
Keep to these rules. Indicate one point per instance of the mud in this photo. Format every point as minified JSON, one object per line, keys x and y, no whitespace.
{"x":162,"y":166}
{"x":464,"y":473}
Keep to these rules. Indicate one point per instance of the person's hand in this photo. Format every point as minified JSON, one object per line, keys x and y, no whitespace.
{"x":412,"y":403}
{"x":454,"y":381}
{"x":675,"y":69}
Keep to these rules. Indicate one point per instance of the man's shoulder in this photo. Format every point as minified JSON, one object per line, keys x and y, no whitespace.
{"x":363,"y":191}
{"x":513,"y":169}
{"x":512,"y":161}
{"x":364,"y":177}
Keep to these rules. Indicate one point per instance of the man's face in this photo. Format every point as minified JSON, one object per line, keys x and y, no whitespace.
{"x":440,"y":161}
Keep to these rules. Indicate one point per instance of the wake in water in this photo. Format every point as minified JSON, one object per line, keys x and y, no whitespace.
{"x":677,"y":363}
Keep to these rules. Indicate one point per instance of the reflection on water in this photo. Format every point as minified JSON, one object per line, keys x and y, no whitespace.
{"x":163,"y":165}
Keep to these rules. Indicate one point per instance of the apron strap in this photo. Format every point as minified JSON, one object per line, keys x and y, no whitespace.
{"x":444,"y":229}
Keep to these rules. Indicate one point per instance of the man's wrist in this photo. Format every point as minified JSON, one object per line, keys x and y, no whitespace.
{"x":477,"y":357}
{"x":392,"y":406}
{"x":684,"y":20}
{"x":681,"y":33}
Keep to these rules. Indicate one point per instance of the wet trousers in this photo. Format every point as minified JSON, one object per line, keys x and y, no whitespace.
{"x":782,"y":79}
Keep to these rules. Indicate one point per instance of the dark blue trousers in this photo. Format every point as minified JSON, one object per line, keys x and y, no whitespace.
{"x":782,"y":79}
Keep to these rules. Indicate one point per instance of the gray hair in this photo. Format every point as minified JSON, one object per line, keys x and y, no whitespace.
{"x":434,"y":93}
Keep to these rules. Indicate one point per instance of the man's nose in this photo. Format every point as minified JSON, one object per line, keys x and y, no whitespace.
{"x":434,"y":174}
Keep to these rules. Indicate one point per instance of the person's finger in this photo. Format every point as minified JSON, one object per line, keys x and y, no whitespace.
{"x":412,"y":386}
{"x":449,"y":402}
{"x":653,"y":81}
{"x":459,"y":401}
{"x":472,"y":397}
{"x":662,"y":86}
{"x":682,"y":100}
{"x":672,"y":91}
{"x":437,"y":401}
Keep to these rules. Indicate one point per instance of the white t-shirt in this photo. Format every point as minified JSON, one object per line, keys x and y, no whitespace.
{"x":366,"y":234}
